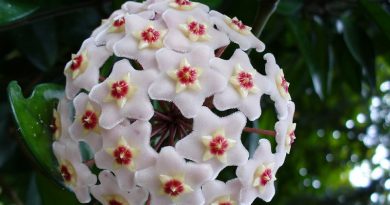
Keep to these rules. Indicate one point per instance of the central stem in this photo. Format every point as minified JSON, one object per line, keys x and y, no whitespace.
{"x":169,"y":125}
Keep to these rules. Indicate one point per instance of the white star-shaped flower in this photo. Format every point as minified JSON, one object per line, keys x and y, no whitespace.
{"x":244,"y":88}
{"x":143,"y":38}
{"x":126,"y":149}
{"x":124,"y":95}
{"x":62,"y":120}
{"x":75,"y":174}
{"x":113,"y":28}
{"x":257,"y":176}
{"x":200,"y":80}
{"x":181,"y":5}
{"x":237,"y":31}
{"x":82,"y":72}
{"x":85,"y":126}
{"x":109,"y":193}
{"x":215,"y":140}
{"x":217,"y":192}
{"x":279,"y":89}
{"x":172,"y":180}
{"x":187,"y":30}
{"x":285,"y":131}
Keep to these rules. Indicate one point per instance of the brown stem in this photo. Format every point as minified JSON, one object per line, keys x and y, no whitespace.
{"x":260,"y":131}
{"x":162,"y":139}
{"x":157,"y":129}
{"x":209,"y":102}
{"x":172,"y":134}
{"x":160,"y":115}
{"x":149,"y":200}
{"x":219,"y":51}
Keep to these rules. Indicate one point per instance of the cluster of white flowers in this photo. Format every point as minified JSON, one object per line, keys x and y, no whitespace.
{"x":123,"y":120}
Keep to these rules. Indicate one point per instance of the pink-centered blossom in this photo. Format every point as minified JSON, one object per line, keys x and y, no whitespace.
{"x":143,"y":39}
{"x":113,"y":28}
{"x":75,"y":174}
{"x":172,"y":180}
{"x":108,"y":191}
{"x":285,"y":131}
{"x":245,"y":85}
{"x":85,"y":126}
{"x":279,"y":91}
{"x":123,"y":95}
{"x":257,"y":176}
{"x":62,"y":118}
{"x":190,"y":29}
{"x":126,"y":149}
{"x":215,"y":141}
{"x":180,"y":5}
{"x":219,"y":193}
{"x":82,"y":71}
{"x":237,"y":31}
{"x":186,"y":79}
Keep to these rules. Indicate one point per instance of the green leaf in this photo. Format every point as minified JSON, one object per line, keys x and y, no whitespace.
{"x":378,"y":14}
{"x":34,"y":116}
{"x":308,"y":53}
{"x":289,"y":7}
{"x":12,"y":10}
{"x":40,"y":45}
{"x":51,"y":194}
{"x":359,"y":45}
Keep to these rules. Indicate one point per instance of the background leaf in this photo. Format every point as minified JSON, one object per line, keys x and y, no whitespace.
{"x":34,"y":116}
{"x":378,"y":14}
{"x":289,"y":7}
{"x":12,"y":10}
{"x":40,"y":46}
{"x":359,"y":44}
{"x":304,"y":46}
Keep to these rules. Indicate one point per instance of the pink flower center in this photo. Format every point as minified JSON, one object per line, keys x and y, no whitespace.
{"x":119,"y":89}
{"x":65,"y":173}
{"x":284,"y":84}
{"x":114,"y":202}
{"x":292,"y":137}
{"x":183,"y":2}
{"x":89,"y":120}
{"x":173,"y":187}
{"x":265,"y":177}
{"x":123,"y":155}
{"x":225,"y":203}
{"x":119,"y":22}
{"x":150,"y":35}
{"x":196,"y":28}
{"x":76,"y":62}
{"x":187,"y":75}
{"x":245,"y":79}
{"x":218,"y":145}
{"x":239,"y":24}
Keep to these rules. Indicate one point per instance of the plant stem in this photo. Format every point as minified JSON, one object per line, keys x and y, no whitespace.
{"x":260,"y":131}
{"x":265,"y":9}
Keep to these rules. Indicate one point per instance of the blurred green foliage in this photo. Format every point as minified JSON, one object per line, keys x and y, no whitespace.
{"x":335,"y":54}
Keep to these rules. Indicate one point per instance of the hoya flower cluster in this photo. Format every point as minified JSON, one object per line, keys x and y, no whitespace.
{"x":152,"y":124}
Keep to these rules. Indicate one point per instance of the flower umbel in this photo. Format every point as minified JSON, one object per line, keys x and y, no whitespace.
{"x":159,"y":114}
